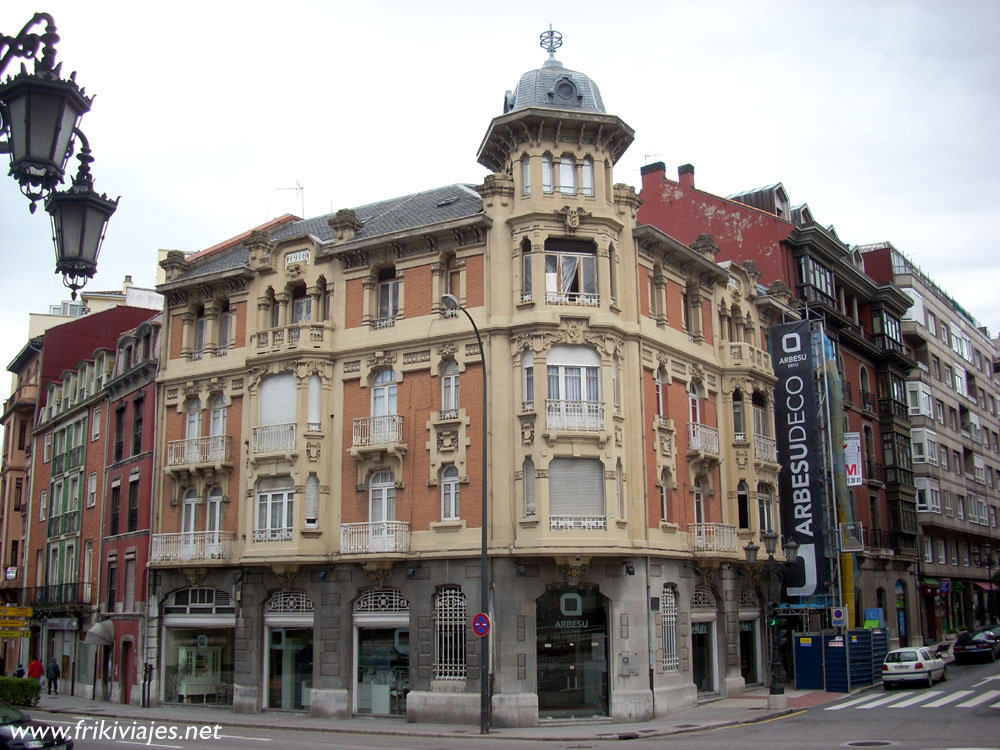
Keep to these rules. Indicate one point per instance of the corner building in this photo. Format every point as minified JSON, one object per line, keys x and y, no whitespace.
{"x":317,"y":540}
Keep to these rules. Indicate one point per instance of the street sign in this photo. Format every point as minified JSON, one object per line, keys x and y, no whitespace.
{"x":481,"y":624}
{"x":944,"y":586}
{"x":16,"y":611}
{"x":15,"y":633}
{"x":838,"y":616}
{"x":12,"y":624}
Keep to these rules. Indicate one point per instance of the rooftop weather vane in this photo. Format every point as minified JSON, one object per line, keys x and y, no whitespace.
{"x":550,"y":41}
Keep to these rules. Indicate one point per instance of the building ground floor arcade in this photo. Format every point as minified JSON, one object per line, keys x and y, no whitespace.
{"x":571,"y":637}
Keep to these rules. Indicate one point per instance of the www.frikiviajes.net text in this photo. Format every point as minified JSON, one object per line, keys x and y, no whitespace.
{"x":102,"y":729}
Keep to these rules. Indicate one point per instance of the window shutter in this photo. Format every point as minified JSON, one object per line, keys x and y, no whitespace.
{"x":277,"y":399}
{"x":576,"y":487}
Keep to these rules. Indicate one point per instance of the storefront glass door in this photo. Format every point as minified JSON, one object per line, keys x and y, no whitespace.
{"x":290,"y":668}
{"x":572,"y":653}
{"x":383,"y":670}
{"x":703,"y":656}
{"x":749,"y":659}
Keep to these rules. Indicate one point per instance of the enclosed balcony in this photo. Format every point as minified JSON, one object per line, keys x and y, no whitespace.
{"x":273,"y":438}
{"x":192,"y":545}
{"x":374,"y":536}
{"x":585,"y":416}
{"x":201,"y":450}
{"x":713,"y":537}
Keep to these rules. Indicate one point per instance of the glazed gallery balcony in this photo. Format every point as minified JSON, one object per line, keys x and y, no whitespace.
{"x":215,"y":449}
{"x":192,"y":545}
{"x":374,"y":536}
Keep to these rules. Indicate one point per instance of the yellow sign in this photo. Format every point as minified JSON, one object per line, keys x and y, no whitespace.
{"x":9,"y":624}
{"x":806,"y":640}
{"x":16,"y":611}
{"x":15,"y":633}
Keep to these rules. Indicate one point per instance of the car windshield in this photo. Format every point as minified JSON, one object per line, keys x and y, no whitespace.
{"x":10,"y":715}
{"x":894,"y":657}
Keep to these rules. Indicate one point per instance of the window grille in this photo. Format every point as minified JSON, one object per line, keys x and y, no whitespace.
{"x":289,"y":603}
{"x":449,"y":634}
{"x":748,"y":599}
{"x":703,"y":599}
{"x":668,"y":618}
{"x":382,"y":600}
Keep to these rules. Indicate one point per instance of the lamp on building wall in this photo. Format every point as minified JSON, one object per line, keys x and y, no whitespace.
{"x":450,"y":302}
{"x":775,"y":577}
{"x":39,"y":117}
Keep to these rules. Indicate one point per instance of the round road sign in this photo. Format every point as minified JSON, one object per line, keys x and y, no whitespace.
{"x":481,"y":624}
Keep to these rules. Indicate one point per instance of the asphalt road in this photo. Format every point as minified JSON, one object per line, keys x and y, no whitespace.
{"x":962,"y":713}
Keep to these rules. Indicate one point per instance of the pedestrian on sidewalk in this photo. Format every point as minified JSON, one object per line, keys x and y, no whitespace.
{"x":53,"y":673}
{"x":19,"y":672}
{"x":36,"y":669}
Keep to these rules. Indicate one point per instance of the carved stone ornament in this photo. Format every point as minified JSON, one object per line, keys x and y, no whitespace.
{"x":572,"y":572}
{"x":447,"y":441}
{"x":573,"y":217}
{"x":742,"y":459}
{"x":666,"y":445}
{"x":377,"y":574}
{"x":446,"y":351}
{"x":286,"y":578}
{"x":195,"y":576}
{"x":527,"y":432}
{"x":313,"y":451}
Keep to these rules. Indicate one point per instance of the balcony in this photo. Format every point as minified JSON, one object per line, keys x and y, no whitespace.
{"x":374,"y":536}
{"x":377,"y":431}
{"x":873,"y":472}
{"x":192,"y":545}
{"x":297,"y":335}
{"x":578,"y":523}
{"x":869,"y":402}
{"x":713,"y":537}
{"x":65,"y":594}
{"x":765,"y":449}
{"x":586,"y":416}
{"x":74,"y":458}
{"x":743,"y":355}
{"x":201,"y":450}
{"x":273,"y":438}
{"x":65,"y":523}
{"x":573,"y":298}
{"x":57,"y":463}
{"x":847,"y":393}
{"x":889,"y":407}
{"x":280,"y":534}
{"x":703,"y":438}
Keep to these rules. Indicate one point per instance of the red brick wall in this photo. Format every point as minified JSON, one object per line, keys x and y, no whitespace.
{"x":354,"y":299}
{"x":241,"y":324}
{"x":176,"y":328}
{"x":474,"y":294}
{"x":675,"y":310}
{"x":418,"y":290}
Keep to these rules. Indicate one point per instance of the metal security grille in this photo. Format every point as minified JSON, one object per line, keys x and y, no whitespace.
{"x":748,"y":599}
{"x":449,"y":634}
{"x":289,"y":603}
{"x":382,"y":600}
{"x":703,"y":598}
{"x":668,"y":618}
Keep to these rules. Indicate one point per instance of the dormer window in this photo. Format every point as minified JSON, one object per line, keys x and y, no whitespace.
{"x":565,"y":93}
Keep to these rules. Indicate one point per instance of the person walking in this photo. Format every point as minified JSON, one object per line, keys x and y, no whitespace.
{"x":19,"y":672}
{"x":36,"y":669}
{"x":52,"y":674}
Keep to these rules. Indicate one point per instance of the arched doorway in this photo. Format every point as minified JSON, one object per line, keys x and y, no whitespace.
{"x":571,"y":626}
{"x":381,"y":653}
{"x":288,"y":665}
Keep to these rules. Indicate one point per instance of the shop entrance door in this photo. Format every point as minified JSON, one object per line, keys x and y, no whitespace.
{"x":749,"y":657}
{"x":290,"y":668}
{"x":571,"y":625}
{"x":703,"y":655}
{"x":383,"y":670}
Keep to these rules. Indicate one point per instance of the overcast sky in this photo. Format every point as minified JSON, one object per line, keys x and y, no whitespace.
{"x":881,"y":115}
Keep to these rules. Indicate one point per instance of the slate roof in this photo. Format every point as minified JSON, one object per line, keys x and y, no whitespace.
{"x":385,"y":217}
{"x":537,"y":89}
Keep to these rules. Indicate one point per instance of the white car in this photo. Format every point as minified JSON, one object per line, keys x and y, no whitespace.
{"x":918,"y":664}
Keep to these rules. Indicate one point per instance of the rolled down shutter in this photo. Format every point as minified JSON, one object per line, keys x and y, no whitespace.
{"x":576,"y":487}
{"x":277,"y":399}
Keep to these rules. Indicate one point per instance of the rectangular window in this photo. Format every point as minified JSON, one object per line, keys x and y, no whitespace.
{"x":137,"y":416}
{"x":939,"y":411}
{"x":133,"y":505}
{"x":129,"y":603}
{"x":95,"y":423}
{"x":576,"y":494}
{"x":935,"y":367}
{"x":275,"y":515}
{"x":571,"y":278}
{"x":388,"y":302}
{"x":942,"y":556}
{"x":47,"y":448}
{"x":931,"y":323}
{"x":526,"y":277}
{"x":567,"y":175}
{"x":816,"y":281}
{"x":92,"y":490}
{"x":449,"y":634}
{"x":112,"y":586}
{"x":546,"y":174}
{"x":116,"y":509}
{"x":525,"y":176}
{"x":43,"y":504}
{"x":668,"y":621}
{"x":226,"y":323}
{"x":18,"y":491}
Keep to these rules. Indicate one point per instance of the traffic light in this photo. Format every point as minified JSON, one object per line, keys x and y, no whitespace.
{"x":773,"y":620}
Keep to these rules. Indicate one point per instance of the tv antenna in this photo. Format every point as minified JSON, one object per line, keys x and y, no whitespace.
{"x":301,"y":192}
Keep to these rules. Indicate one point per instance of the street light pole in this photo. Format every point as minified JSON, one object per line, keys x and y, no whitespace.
{"x":450,"y":301}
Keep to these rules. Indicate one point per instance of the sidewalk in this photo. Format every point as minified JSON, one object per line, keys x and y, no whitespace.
{"x":748,"y":708}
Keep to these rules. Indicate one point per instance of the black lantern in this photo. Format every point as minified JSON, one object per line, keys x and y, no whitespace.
{"x":79,"y":218}
{"x":39,"y":110}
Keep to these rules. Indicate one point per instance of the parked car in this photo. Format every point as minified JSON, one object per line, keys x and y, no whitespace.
{"x":920,"y":665}
{"x":43,"y":736}
{"x":983,"y":644}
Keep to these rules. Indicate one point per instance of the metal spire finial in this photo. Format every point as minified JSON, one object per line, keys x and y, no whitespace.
{"x":550,"y":41}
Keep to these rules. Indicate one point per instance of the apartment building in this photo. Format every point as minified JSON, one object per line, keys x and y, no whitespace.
{"x":316,"y":536}
{"x":872,"y":546}
{"x":953,"y":396}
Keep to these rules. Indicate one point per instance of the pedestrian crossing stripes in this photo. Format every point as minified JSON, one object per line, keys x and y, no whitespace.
{"x":924,"y":699}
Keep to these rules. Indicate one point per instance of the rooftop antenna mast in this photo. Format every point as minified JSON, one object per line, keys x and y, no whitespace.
{"x":301,"y":192}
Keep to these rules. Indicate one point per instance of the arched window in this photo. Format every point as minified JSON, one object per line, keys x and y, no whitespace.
{"x":574,"y":389}
{"x":449,"y":493}
{"x":529,"y":488}
{"x":526,"y":270}
{"x":866,"y":386}
{"x":217,"y":426}
{"x":661,"y":394}
{"x":739,"y":423}
{"x":314,"y":416}
{"x":694,"y":400}
{"x":192,"y":422}
{"x":189,"y":516}
{"x":668,"y":620}
{"x":449,"y":634}
{"x":699,"y":502}
{"x":449,"y":390}
{"x":525,"y":175}
{"x":213,"y":517}
{"x":743,"y":504}
{"x":664,"y":495}
{"x":567,"y":175}
{"x":587,"y":183}
{"x":546,"y":174}
{"x":384,"y":393}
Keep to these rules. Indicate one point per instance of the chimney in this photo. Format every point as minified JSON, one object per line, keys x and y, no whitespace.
{"x":653,"y":175}
{"x":685,"y":175}
{"x":128,"y":282}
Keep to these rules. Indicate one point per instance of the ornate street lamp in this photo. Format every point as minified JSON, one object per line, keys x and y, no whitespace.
{"x":775,"y":577}
{"x":39,"y":115}
{"x":983,"y":557}
{"x":450,"y":302}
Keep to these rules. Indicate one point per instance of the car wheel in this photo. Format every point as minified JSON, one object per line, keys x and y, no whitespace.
{"x":993,"y":657}
{"x":930,"y":679}
{"x":887,"y":685}
{"x":944,"y":673}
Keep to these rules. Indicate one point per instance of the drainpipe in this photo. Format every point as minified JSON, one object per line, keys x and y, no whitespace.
{"x":649,"y":641}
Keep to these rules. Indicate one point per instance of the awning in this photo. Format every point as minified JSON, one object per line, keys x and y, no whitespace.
{"x":101,"y":634}
{"x":986,"y":586}
{"x":932,"y":582}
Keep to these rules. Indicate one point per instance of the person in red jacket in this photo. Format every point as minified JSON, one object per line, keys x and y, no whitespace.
{"x":36,"y":669}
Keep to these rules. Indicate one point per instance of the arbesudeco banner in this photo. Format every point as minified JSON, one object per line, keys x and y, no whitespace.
{"x":796,"y":417}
